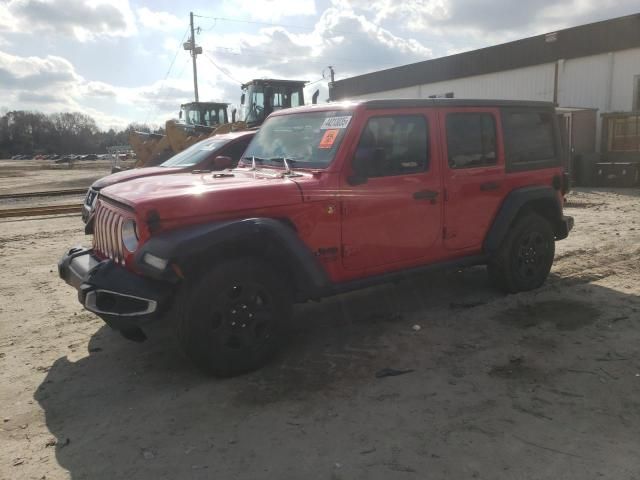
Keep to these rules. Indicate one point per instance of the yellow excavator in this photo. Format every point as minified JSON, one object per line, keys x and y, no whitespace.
{"x":199,"y":120}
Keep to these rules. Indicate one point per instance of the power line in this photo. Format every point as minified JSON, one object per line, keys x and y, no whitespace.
{"x":253,"y":22}
{"x":173,"y":61}
{"x":315,"y":81}
{"x":221,"y":69}
{"x":253,"y":52}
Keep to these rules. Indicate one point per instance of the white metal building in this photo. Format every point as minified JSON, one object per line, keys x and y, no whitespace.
{"x":593,"y":66}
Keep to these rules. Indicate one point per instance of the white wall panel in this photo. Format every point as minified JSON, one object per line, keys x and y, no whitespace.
{"x":531,"y":83}
{"x":602,"y":81}
{"x":626,"y":67}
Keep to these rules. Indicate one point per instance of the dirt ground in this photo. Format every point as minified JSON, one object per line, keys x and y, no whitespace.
{"x":539,"y":385}
{"x":18,"y":176}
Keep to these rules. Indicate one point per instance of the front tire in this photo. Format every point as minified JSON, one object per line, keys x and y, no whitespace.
{"x":524,"y":259}
{"x":232,"y":319}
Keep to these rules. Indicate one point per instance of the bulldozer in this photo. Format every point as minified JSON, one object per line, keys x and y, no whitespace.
{"x":196,"y":119}
{"x":199,"y":120}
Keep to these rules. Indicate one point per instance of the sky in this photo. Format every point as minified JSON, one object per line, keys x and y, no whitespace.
{"x":122,"y":61}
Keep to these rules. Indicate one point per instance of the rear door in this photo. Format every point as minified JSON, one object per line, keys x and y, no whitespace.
{"x":473,"y":176}
{"x":394,"y":218}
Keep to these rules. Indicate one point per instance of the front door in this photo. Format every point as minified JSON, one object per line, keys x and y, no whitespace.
{"x":473,"y":176}
{"x":395,"y":217}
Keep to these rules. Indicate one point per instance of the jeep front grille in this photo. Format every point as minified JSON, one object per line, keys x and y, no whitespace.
{"x":107,"y":232}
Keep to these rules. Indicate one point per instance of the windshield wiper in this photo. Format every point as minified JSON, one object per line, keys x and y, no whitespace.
{"x":254,"y":160}
{"x":285,"y":161}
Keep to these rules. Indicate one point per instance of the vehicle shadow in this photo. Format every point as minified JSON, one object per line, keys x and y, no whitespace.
{"x":131,"y":410}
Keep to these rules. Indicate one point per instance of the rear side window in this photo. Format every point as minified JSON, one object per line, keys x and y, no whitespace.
{"x":530,"y":140}
{"x":471,"y":140}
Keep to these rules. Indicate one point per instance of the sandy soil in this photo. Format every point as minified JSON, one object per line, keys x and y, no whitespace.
{"x":540,"y":385}
{"x":17,"y":176}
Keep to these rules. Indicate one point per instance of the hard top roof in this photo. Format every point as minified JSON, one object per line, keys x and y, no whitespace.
{"x":415,"y":103}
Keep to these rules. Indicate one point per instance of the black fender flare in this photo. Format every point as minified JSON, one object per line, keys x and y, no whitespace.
{"x":278,"y":238}
{"x":511,"y":207}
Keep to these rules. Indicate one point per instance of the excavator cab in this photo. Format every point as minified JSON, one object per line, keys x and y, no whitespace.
{"x":261,"y":97}
{"x":207,"y":114}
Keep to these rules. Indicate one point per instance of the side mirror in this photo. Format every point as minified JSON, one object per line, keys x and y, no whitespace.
{"x":242,"y":97}
{"x":222,"y":162}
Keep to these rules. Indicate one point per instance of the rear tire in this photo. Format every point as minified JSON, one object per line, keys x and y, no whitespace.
{"x":525,"y":257}
{"x":232,"y":319}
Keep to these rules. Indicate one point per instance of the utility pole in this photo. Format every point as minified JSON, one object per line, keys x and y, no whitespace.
{"x":333,"y":79}
{"x":195,"y":51}
{"x":333,"y":74}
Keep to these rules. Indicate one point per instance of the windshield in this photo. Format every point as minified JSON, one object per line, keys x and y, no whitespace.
{"x":196,"y":153}
{"x":307,"y":140}
{"x":203,"y":115}
{"x":260,"y":101}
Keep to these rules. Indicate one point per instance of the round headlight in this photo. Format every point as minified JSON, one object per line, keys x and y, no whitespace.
{"x":130,"y":235}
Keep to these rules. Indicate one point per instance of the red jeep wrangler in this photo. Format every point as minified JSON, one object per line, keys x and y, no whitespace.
{"x":326,"y":199}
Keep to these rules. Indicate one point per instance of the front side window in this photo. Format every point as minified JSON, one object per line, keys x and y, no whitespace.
{"x":471,"y":140}
{"x":253,"y":109}
{"x":192,"y":117}
{"x":529,"y":139}
{"x":307,"y":140}
{"x":395,"y":145}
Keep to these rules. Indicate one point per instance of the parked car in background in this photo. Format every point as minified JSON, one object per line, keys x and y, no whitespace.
{"x":200,"y":156}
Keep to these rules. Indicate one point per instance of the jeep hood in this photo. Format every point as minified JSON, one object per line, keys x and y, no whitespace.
{"x":127,"y":175}
{"x":205,"y":194}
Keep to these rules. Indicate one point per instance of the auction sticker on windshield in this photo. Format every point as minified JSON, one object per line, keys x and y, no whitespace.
{"x":335,"y":122}
{"x":328,"y":138}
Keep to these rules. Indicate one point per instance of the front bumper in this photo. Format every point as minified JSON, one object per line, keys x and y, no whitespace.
{"x":565,"y":227}
{"x":124,"y":300}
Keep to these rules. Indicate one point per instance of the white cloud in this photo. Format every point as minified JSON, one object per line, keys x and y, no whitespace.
{"x":51,"y":84}
{"x":341,"y":38}
{"x":162,"y":21}
{"x":83,"y":19}
{"x":355,"y":36}
{"x":27,"y":73}
{"x":270,"y":10}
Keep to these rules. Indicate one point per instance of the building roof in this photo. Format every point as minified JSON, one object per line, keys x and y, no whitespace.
{"x":601,"y":37}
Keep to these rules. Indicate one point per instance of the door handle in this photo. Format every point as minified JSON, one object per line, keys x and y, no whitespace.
{"x":486,"y":186}
{"x":430,"y":195}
